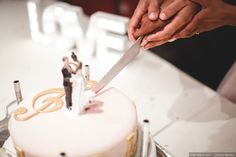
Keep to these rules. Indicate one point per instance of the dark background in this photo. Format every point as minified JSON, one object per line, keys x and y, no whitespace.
{"x":120,"y":7}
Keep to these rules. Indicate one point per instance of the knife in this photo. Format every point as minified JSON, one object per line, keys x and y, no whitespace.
{"x":128,"y":56}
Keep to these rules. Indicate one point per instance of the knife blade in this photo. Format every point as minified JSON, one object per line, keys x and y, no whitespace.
{"x":128,"y":56}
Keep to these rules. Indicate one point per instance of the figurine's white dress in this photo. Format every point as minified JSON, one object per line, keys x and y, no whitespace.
{"x":78,"y":90}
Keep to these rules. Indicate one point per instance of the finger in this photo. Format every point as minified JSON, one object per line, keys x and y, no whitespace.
{"x":181,"y":19}
{"x":138,"y":33}
{"x":153,"y":9}
{"x":144,"y":41}
{"x":192,"y":27}
{"x":148,"y":26}
{"x":131,"y":34}
{"x":141,"y":31}
{"x":171,"y":9}
{"x":154,"y":44}
{"x":133,"y":25}
{"x":176,"y":34}
{"x":135,"y":19}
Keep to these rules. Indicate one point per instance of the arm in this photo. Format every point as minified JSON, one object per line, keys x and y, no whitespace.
{"x":214,"y":14}
{"x":73,"y":63}
{"x":231,"y":14}
{"x":73,"y":71}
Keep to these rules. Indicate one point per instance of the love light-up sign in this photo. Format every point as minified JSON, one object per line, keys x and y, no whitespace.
{"x":65,"y":26}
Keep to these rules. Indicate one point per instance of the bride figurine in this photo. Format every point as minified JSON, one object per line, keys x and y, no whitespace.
{"x":82,"y":99}
{"x":78,"y":87}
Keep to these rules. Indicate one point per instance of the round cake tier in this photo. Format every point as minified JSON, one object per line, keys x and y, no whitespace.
{"x":60,"y":133}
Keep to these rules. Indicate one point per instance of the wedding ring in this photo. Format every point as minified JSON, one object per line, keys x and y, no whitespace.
{"x":197,"y":33}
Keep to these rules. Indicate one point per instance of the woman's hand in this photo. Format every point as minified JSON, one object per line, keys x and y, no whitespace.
{"x":214,"y":14}
{"x":150,"y":7}
{"x":183,"y":12}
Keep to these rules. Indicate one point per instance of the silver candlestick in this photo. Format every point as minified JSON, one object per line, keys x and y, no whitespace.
{"x":17,"y":91}
{"x":146,"y":138}
{"x":87,"y":72}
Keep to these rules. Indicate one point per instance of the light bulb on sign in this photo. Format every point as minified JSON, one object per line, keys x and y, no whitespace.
{"x":107,"y":31}
{"x":33,"y":19}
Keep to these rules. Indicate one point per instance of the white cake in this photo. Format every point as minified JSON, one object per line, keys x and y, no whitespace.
{"x":108,"y":133}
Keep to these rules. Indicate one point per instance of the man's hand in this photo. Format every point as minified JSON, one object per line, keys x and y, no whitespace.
{"x":151,"y":7}
{"x":183,"y":12}
{"x":214,"y":14}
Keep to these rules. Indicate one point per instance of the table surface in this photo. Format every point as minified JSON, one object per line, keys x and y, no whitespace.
{"x":185,"y":115}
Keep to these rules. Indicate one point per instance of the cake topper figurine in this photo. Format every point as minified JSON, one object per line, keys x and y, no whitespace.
{"x":78,"y":98}
{"x":67,"y":72}
{"x":78,"y":86}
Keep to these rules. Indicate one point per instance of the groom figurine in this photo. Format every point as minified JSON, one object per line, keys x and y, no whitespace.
{"x":66,"y":72}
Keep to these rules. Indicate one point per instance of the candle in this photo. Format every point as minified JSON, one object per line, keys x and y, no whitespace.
{"x":17,"y":91}
{"x":146,"y":136}
{"x":87,"y":72}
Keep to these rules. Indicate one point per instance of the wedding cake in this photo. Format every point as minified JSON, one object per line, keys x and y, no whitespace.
{"x":44,"y":127}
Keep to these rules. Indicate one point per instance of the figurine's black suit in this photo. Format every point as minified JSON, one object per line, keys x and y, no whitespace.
{"x":67,"y":86}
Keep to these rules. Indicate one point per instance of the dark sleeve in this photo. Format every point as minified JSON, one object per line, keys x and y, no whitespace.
{"x":232,"y":2}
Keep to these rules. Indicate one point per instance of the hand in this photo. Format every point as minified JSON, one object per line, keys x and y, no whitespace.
{"x":214,"y":14}
{"x":183,"y":12}
{"x":147,"y":26}
{"x":144,"y":6}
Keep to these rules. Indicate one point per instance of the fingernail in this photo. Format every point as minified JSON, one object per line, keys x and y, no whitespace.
{"x":171,"y":40}
{"x":152,"y":16}
{"x":132,"y":40}
{"x":144,"y":42}
{"x":163,"y":16}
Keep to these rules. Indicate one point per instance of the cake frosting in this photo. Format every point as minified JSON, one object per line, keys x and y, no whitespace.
{"x":55,"y":132}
